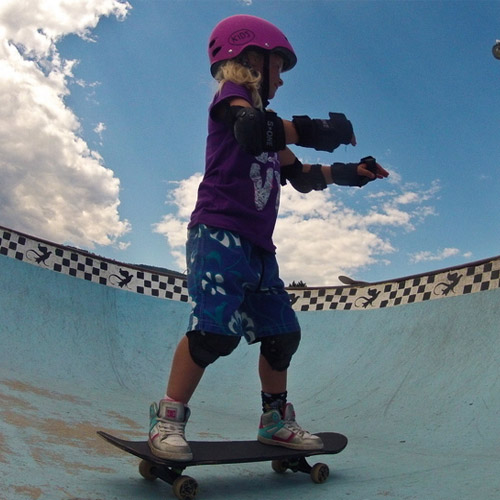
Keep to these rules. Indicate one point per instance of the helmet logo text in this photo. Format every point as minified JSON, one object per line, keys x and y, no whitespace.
{"x":241,"y":37}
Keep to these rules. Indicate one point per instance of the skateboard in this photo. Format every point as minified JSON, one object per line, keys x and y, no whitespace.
{"x":227,"y":452}
{"x":349,"y":281}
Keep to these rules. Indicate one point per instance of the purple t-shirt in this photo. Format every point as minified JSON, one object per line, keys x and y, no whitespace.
{"x":239,"y":192}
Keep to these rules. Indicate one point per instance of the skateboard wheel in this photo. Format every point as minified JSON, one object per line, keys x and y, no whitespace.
{"x":496,"y":50}
{"x":185,"y":488}
{"x":145,"y":470}
{"x":279,"y":466}
{"x":320,"y":473}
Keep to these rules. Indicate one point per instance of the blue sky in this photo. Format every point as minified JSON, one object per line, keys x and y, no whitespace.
{"x":125,"y":87}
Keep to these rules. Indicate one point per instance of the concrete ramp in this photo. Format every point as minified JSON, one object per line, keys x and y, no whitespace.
{"x":408,"y":369}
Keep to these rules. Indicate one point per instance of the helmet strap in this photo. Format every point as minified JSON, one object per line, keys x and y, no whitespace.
{"x":264,"y":86}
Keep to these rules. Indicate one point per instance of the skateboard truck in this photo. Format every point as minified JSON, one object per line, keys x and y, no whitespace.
{"x":183,"y":487}
{"x":319,"y":472}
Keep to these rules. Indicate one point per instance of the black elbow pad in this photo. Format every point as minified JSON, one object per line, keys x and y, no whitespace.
{"x":258,"y":131}
{"x":303,"y":182}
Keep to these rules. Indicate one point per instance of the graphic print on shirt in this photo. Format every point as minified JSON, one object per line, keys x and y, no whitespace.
{"x":263,"y":187}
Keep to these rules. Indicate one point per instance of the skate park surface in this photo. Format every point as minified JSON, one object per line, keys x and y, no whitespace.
{"x":407,"y":369}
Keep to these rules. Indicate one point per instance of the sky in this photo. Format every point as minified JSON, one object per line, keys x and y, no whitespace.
{"x":103,"y":118}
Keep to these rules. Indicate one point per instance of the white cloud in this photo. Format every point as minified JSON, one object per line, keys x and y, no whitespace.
{"x":52,"y":185}
{"x":99,"y":129}
{"x":174,"y":227}
{"x":427,"y":256}
{"x":317,"y":235}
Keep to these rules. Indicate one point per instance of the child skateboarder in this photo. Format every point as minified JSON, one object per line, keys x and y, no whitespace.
{"x":233,"y":276}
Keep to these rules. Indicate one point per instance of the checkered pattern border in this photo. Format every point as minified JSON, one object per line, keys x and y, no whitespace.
{"x":84,"y":265}
{"x":451,"y":282}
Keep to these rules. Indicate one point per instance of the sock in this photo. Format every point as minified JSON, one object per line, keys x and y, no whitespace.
{"x":273,"y":401}
{"x":171,"y":400}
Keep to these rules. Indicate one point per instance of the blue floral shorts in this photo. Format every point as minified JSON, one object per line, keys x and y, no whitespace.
{"x":235,"y":287}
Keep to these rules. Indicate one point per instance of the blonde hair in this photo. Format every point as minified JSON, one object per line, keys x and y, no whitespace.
{"x":236,"y":71}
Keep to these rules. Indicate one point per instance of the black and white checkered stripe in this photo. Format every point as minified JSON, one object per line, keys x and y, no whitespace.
{"x":451,"y":282}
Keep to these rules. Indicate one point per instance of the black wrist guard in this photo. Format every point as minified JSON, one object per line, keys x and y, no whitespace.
{"x":323,"y":135}
{"x":346,"y":174}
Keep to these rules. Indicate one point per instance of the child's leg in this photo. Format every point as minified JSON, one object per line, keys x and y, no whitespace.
{"x":169,"y":418}
{"x":272,"y":381}
{"x":185,"y":374}
{"x":278,"y":425}
{"x":275,"y":356}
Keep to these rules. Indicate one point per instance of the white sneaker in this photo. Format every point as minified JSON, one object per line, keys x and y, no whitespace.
{"x":166,"y":434}
{"x":282,"y":430}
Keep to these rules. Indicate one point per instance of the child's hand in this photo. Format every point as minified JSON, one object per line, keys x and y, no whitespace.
{"x":352,"y":174}
{"x":371,"y":169}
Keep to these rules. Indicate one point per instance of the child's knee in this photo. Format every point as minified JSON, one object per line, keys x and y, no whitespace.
{"x":205,"y":347}
{"x":278,"y":350}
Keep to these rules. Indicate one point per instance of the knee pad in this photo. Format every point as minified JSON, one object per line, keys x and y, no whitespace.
{"x":279,"y":349}
{"x":205,"y":348}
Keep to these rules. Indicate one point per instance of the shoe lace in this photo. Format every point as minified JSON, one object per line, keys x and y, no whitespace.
{"x":294,"y":427}
{"x":169,"y":428}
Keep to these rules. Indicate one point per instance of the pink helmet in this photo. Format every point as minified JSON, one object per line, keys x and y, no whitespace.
{"x":234,"y":34}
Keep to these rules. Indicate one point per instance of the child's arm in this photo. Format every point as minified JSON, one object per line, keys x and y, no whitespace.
{"x":305,"y":177}
{"x":258,"y":131}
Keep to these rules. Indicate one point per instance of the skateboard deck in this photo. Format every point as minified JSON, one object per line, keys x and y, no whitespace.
{"x":227,"y":452}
